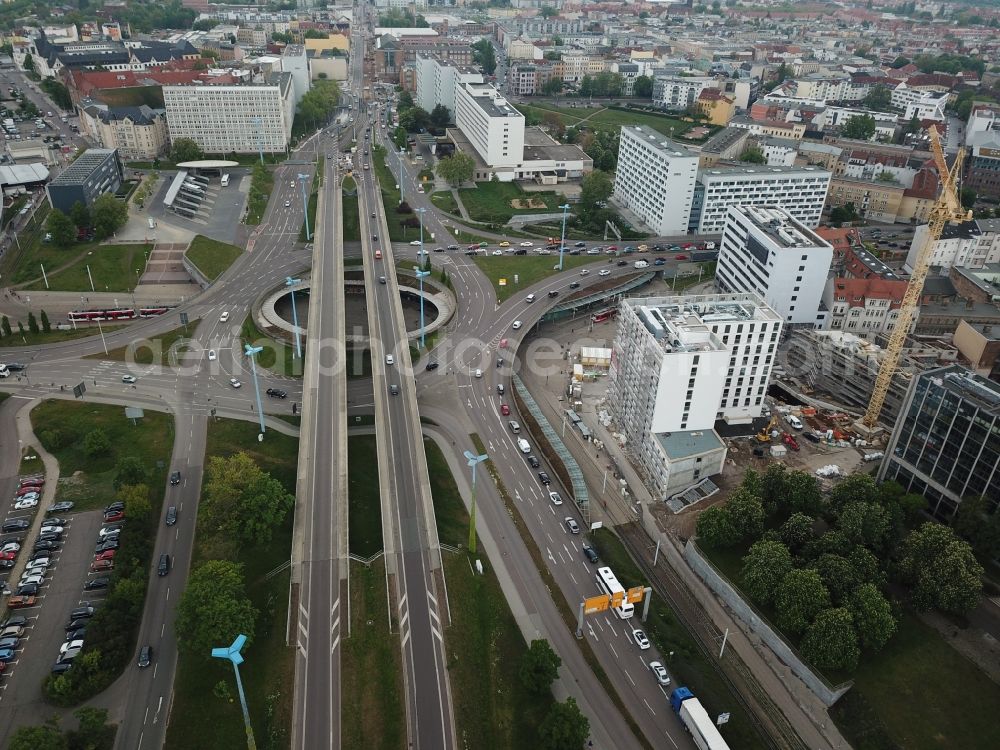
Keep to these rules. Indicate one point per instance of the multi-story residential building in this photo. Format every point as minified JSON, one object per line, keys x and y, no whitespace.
{"x":726,"y":145}
{"x":770,"y":128}
{"x":629,"y":71}
{"x":946,"y":446}
{"x":716,"y":350}
{"x":95,"y":172}
{"x":529,"y":79}
{"x":655,"y":179}
{"x":822,"y":87}
{"x":874,"y":200}
{"x":679,"y":92}
{"x":138,"y":133}
{"x":970,"y":244}
{"x":576,"y":65}
{"x":779,"y":152}
{"x":801,"y":191}
{"x":494,"y":128}
{"x":766,"y":251}
{"x":437,"y":79}
{"x":234,"y":118}
{"x":865,"y":307}
{"x":393,"y":52}
{"x":716,"y":106}
{"x":928,"y":107}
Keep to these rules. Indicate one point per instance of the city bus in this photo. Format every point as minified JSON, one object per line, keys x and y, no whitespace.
{"x":607,"y":582}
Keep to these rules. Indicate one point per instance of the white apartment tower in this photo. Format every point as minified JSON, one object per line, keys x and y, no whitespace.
{"x":764,"y":250}
{"x":655,"y":179}
{"x":233,"y":118}
{"x":678,"y":365}
{"x":437,"y":79}
{"x":801,"y":191}
{"x":494,"y":128}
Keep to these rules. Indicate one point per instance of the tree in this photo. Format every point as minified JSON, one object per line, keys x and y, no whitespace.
{"x":873,"y":619}
{"x":595,"y":189}
{"x":564,"y":727}
{"x":753,"y":155}
{"x":840,"y":214}
{"x":456,"y":169}
{"x":185,"y":149}
{"x":94,"y":731}
{"x":830,"y":641}
{"x":60,"y":226}
{"x":643,"y":87}
{"x":552,"y":87}
{"x":715,"y":528}
{"x":405,"y":101}
{"x":860,"y":127}
{"x":205,"y":24}
{"x":746,"y":511}
{"x":539,"y":666}
{"x":857,"y":488}
{"x":802,"y":493}
{"x":979,"y":526}
{"x":864,"y":523}
{"x":96,"y":443}
{"x":213,"y":608}
{"x":29,"y":64}
{"x":547,"y":11}
{"x":414,"y":119}
{"x":839,"y":576}
{"x":940,"y":569}
{"x":968,"y":197}
{"x":878,"y":98}
{"x":554,"y":122}
{"x":44,"y":319}
{"x":764,"y":567}
{"x":110,"y":215}
{"x":485,"y":56}
{"x":129,"y":471}
{"x":800,"y":597}
{"x":399,"y":136}
{"x":900,"y":62}
{"x":32,"y":322}
{"x":797,"y":530}
{"x":5,"y":326}
{"x":866,"y":567}
{"x":440,"y":116}
{"x":243,"y":502}
{"x":44,"y":737}
{"x":80,"y":215}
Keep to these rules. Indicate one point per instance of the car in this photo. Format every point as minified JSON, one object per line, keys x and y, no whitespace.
{"x":432,"y":364}
{"x":48,"y":528}
{"x":46,"y":546}
{"x":659,"y":262}
{"x":56,"y":521}
{"x":505,"y":410}
{"x":504,"y":243}
{"x":374,"y":238}
{"x":81,"y":612}
{"x":102,"y":566}
{"x":29,"y":576}
{"x":70,"y":655}
{"x":105,"y":546}
{"x":381,"y":279}
{"x":498,"y":251}
{"x":373,"y":214}
{"x":9,"y":555}
{"x":13,"y":630}
{"x":544,"y":478}
{"x":74,"y":626}
{"x":27,"y":589}
{"x":116,"y":505}
{"x":61,"y":667}
{"x":235,"y":383}
{"x":108,"y":554}
{"x":580,"y":244}
{"x":590,"y":553}
{"x":527,"y":243}
{"x":453,"y":247}
{"x":17,"y":367}
{"x":17,"y":602}
{"x":276,"y":393}
{"x":500,"y":361}
{"x":640,"y":639}
{"x":622,"y":263}
{"x":439,"y":249}
{"x":211,"y":355}
{"x":114,"y":515}
{"x":76,"y":635}
{"x":39,"y":563}
{"x":110,"y":531}
{"x":97,"y":583}
{"x":394,"y":389}
{"x":680,"y":257}
{"x":171,"y":517}
{"x":145,"y":656}
{"x":604,"y":272}
{"x":516,"y":324}
{"x":6,"y":654}
{"x":175,"y":477}
{"x":50,"y":536}
{"x":10,"y":547}
{"x":479,"y":373}
{"x":10,"y":642}
{"x":594,"y":251}
{"x":70,"y":644}
{"x":500,"y":388}
{"x":131,"y":379}
{"x":288,"y":204}
{"x":26,"y":503}
{"x":571,"y":524}
{"x":555,"y":498}
{"x":389,"y":359}
{"x":224,"y":317}
{"x":378,"y":255}
{"x":530,"y":298}
{"x":659,"y":672}
{"x":553,"y":293}
{"x":61,"y":507}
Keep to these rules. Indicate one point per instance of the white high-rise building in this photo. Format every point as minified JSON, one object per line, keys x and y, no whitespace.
{"x":655,"y":179}
{"x":764,"y":250}
{"x":437,"y":79}
{"x":678,"y":365}
{"x":494,"y":128}
{"x":233,"y":118}
{"x":295,"y":62}
{"x":801,"y":191}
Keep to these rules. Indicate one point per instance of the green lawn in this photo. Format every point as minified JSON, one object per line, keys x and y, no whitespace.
{"x":153,"y":351}
{"x":113,"y":268}
{"x":373,"y":716}
{"x":689,"y":666}
{"x":469,"y":238}
{"x":53,"y":336}
{"x":278,"y":356}
{"x":920,"y":694}
{"x":493,"y":710}
{"x":31,"y":463}
{"x":529,"y":269}
{"x":445,"y":200}
{"x":365,"y":509}
{"x":491,"y":201}
{"x":212,"y":257}
{"x":62,"y":428}
{"x":202,"y":721}
{"x":352,"y":222}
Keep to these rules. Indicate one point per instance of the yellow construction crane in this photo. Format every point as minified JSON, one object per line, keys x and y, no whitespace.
{"x":946,"y":208}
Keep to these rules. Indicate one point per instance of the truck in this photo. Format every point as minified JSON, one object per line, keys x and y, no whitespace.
{"x":696,"y":720}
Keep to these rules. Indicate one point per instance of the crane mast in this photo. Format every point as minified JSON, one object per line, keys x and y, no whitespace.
{"x":946,"y":208}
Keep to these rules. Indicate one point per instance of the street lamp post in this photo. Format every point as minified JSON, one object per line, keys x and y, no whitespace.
{"x":562,"y":241}
{"x":420,"y":277}
{"x":290,"y":282}
{"x":305,"y":203}
{"x":232,"y":653}
{"x":251,"y":352}
{"x":473,"y":461}
{"x":401,"y":151}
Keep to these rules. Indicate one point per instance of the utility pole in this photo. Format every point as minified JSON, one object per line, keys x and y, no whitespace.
{"x":562,"y":241}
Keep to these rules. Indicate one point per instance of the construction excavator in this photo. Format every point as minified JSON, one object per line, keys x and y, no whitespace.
{"x":764,"y":436}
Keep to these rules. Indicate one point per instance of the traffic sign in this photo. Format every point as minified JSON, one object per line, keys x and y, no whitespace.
{"x":594,"y":604}
{"x":635,"y":594}
{"x":502,"y":282}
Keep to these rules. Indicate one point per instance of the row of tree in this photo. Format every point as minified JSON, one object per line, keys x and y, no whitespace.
{"x":822,"y":564}
{"x":35,"y":325}
{"x":93,"y":732}
{"x":106,"y":216}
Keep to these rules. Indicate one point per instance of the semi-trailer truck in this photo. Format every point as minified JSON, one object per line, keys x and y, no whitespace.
{"x":696,"y":720}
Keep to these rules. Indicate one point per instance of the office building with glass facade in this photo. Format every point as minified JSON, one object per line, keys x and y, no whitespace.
{"x":946,"y":445}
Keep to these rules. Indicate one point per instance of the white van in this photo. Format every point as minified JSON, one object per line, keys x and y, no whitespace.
{"x":514,"y":427}
{"x":641,"y":264}
{"x":523,"y":445}
{"x":793,"y":421}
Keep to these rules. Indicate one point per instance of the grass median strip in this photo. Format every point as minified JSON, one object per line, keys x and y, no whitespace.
{"x":528,"y":270}
{"x":212,"y":257}
{"x":351,"y":219}
{"x":164,"y":350}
